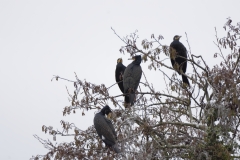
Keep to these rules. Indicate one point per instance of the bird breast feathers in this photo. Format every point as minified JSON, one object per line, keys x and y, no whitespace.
{"x":173,"y":53}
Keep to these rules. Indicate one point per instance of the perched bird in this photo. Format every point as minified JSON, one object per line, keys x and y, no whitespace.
{"x":178,"y":56}
{"x":120,"y":68}
{"x":131,"y":79}
{"x":105,"y":129}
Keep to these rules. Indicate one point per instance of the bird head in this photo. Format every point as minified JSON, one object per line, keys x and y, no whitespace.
{"x":177,"y":37}
{"x":119,"y":60}
{"x":107,"y":111}
{"x":136,"y":59}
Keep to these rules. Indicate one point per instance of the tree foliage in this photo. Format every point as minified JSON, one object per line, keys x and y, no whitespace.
{"x":201,"y":122}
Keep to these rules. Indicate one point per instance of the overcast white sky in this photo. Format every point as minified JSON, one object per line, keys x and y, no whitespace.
{"x":39,"y":39}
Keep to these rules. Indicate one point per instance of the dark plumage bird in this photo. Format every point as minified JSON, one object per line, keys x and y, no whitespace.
{"x":131,"y":79}
{"x":104,"y":128}
{"x":120,"y":68}
{"x":177,"y":51}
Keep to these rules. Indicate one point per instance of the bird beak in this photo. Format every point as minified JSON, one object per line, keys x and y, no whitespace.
{"x":133,"y":58}
{"x":109,"y":116}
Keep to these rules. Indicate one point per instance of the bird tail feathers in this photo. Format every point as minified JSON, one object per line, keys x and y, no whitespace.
{"x":185,"y":80}
{"x":131,"y":98}
{"x":126,"y":99}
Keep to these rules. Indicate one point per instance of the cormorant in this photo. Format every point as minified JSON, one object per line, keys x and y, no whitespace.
{"x":131,"y":79}
{"x":176,"y":50}
{"x":120,"y":68}
{"x":105,"y":129}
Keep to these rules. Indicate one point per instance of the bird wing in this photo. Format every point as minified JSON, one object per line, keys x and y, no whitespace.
{"x":127,"y":78}
{"x":184,"y":50}
{"x":117,"y":72}
{"x":173,"y":55}
{"x":104,"y":129}
{"x":132,"y":76}
{"x":184,"y":54}
{"x":137,"y":74}
{"x":178,"y":63}
{"x":98,"y":125}
{"x":111,"y":126}
{"x":120,"y":68}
